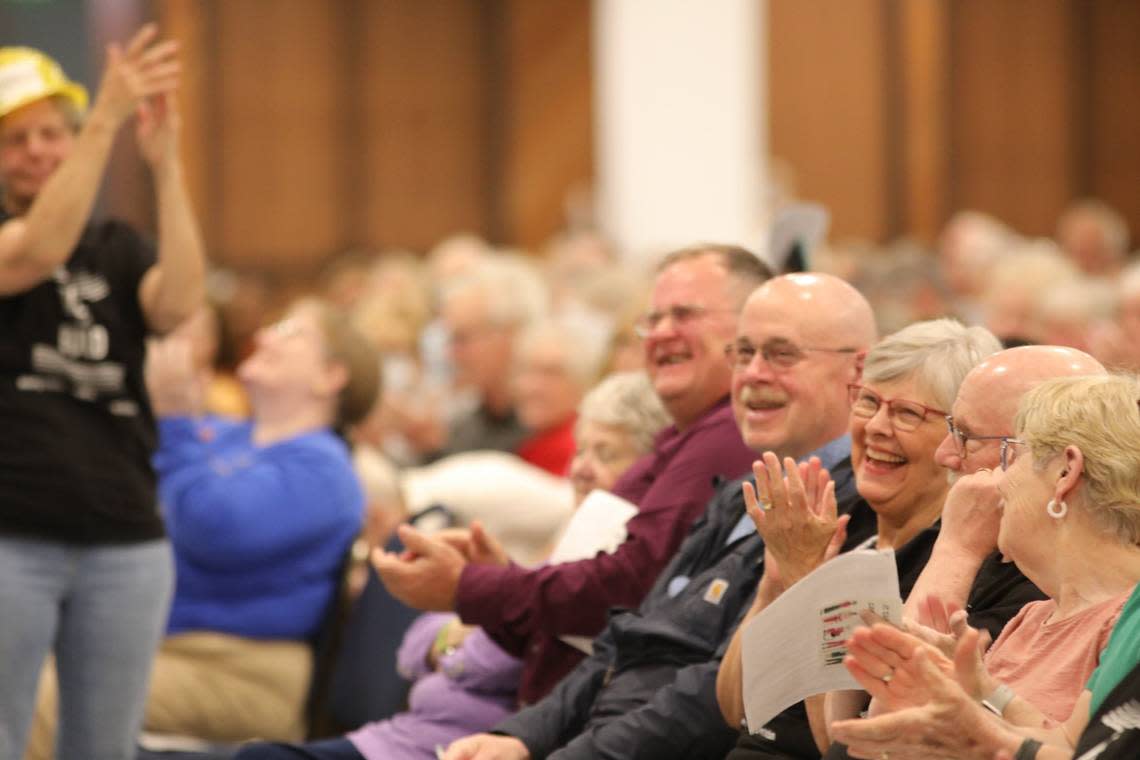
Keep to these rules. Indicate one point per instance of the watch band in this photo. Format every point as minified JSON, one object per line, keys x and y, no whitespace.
{"x":1027,"y":750}
{"x":997,"y":700}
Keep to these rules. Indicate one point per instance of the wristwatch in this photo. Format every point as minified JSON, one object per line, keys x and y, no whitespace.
{"x":997,"y":700}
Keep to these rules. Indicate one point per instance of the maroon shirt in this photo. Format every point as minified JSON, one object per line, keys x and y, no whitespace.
{"x":526,"y":610}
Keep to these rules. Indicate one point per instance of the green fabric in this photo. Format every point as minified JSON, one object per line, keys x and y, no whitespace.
{"x":1121,"y":655}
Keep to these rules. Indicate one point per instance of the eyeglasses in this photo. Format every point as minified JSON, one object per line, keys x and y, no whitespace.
{"x":681,"y":314}
{"x":777,"y":353}
{"x":903,"y":414}
{"x":1008,"y":452}
{"x":961,"y":438}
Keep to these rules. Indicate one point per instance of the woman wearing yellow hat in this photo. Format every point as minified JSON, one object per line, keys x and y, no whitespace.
{"x":84,"y":563}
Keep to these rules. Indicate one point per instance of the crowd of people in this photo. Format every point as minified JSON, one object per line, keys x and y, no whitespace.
{"x":198,"y":470}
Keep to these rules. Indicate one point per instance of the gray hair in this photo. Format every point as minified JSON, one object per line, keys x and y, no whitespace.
{"x":510,"y":285}
{"x":626,"y":400}
{"x":1108,"y":220}
{"x":1080,"y":300}
{"x":584,"y":342}
{"x":939,"y":352}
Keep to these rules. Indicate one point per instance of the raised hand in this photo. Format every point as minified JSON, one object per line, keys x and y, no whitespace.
{"x":143,"y":69}
{"x":972,"y":513}
{"x":794,"y":510}
{"x":158,"y":129}
{"x":176,"y":387}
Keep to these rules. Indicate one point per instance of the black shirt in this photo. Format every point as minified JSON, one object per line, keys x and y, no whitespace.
{"x":78,"y":430}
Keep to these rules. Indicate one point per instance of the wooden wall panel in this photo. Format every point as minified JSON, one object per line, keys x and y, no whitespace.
{"x":282,"y":104}
{"x":188,"y":21}
{"x":547,"y":124}
{"x":421,"y":94}
{"x":1013,"y":91}
{"x":1113,"y":81}
{"x":828,"y":107}
{"x":923,"y":72}
{"x":323,"y":125}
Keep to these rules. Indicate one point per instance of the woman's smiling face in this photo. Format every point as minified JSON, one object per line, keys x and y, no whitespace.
{"x":895,"y":469}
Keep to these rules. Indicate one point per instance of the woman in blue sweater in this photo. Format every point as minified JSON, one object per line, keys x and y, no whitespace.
{"x":260,"y":514}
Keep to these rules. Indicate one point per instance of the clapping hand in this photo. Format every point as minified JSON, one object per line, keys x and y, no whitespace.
{"x":145,"y":68}
{"x":931,"y":714}
{"x":794,"y":510}
{"x":176,"y":387}
{"x":425,"y":575}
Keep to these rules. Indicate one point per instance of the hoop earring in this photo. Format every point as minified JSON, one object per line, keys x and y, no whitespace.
{"x":1055,"y":510}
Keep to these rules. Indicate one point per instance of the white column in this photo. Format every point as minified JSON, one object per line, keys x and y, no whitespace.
{"x":681,"y":128}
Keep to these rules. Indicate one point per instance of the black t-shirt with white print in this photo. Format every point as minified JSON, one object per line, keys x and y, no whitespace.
{"x":76,"y":428}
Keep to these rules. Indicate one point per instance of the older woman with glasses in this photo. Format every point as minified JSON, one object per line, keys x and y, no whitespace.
{"x":896,"y":424}
{"x":1070,"y":486}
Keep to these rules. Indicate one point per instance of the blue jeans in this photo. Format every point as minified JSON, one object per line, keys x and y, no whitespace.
{"x":103,"y":610}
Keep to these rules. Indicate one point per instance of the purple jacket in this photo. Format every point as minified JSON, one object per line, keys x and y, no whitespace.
{"x":473,"y":689}
{"x":526,"y":610}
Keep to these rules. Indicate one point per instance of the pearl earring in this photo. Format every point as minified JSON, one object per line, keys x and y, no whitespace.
{"x":1057,"y":510}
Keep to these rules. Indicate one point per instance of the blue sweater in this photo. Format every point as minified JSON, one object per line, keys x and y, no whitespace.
{"x":259,"y":533}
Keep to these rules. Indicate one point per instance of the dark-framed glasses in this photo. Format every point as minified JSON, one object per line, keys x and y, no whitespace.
{"x":1009,"y":451}
{"x":961,"y":438}
{"x":681,"y":314}
{"x":777,"y":353}
{"x":904,"y":414}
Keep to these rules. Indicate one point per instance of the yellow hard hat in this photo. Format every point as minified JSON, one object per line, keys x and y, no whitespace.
{"x":27,"y":75}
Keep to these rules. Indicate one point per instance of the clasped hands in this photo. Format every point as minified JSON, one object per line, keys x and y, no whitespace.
{"x":426,"y":574}
{"x":926,"y":683}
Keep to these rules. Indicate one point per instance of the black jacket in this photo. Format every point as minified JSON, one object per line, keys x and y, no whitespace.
{"x":649,"y":689}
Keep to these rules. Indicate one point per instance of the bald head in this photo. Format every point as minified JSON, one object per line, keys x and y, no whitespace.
{"x":1007,"y":375}
{"x":988,"y":398}
{"x":800,"y":341}
{"x":825,"y":308}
